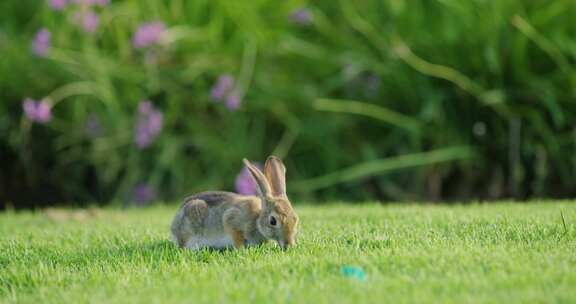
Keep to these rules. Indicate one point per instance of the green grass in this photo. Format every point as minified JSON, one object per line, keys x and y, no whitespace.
{"x":411,"y":253}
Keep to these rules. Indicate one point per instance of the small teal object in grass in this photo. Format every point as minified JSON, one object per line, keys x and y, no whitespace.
{"x":354,"y":272}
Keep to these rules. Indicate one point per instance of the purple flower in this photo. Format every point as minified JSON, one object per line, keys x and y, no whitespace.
{"x":301,"y":16}
{"x":245,"y":184}
{"x":41,"y":42}
{"x":89,"y":21}
{"x":148,"y":124}
{"x":148,"y":34}
{"x":93,"y":126}
{"x":222,"y":87}
{"x":37,"y":111}
{"x":143,"y":193}
{"x":57,"y":5}
{"x":233,"y":100}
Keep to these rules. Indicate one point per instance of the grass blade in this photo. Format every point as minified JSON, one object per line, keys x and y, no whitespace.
{"x":381,"y":166}
{"x":368,"y":110}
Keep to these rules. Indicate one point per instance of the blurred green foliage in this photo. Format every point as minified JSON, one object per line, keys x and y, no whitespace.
{"x":393,"y":100}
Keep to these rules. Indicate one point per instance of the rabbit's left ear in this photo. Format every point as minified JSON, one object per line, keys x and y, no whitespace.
{"x":263,"y":186}
{"x":275,"y":172}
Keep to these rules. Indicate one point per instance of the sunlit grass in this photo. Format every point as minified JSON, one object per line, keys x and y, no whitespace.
{"x":410,"y":253}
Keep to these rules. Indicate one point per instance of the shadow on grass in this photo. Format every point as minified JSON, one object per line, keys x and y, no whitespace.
{"x":158,"y":251}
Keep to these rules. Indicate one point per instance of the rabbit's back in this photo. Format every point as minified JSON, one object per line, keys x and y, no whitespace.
{"x":199,"y":222}
{"x":213,"y":198}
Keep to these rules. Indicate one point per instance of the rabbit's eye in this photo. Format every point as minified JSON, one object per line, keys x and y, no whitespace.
{"x":273,"y":221}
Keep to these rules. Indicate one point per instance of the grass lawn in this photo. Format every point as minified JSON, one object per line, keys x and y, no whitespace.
{"x":502,"y":252}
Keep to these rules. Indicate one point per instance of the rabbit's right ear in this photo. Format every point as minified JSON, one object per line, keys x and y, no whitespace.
{"x":275,"y":172}
{"x":259,"y":178}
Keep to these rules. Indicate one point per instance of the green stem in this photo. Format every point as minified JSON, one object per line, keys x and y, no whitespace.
{"x":369,"y":110}
{"x":541,"y":41}
{"x":76,"y":88}
{"x":381,"y":166}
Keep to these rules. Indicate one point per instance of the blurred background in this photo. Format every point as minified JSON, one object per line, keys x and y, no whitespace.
{"x":143,"y":101}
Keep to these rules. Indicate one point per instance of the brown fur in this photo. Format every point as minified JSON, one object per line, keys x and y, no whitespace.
{"x":246,"y":219}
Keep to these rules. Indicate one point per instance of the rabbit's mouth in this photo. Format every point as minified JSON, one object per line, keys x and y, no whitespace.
{"x":285,"y":244}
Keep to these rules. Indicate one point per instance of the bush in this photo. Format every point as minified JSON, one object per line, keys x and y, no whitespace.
{"x":477,"y":98}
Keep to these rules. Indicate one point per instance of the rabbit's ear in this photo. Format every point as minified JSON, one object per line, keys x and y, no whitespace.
{"x":263,"y":185}
{"x":275,"y":172}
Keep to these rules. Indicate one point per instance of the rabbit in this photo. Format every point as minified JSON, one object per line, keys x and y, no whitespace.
{"x":220,"y":220}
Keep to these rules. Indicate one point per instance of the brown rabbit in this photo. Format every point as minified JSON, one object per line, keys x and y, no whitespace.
{"x":218,"y":219}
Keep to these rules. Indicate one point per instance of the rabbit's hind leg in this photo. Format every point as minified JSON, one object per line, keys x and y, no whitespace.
{"x":189,"y":222}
